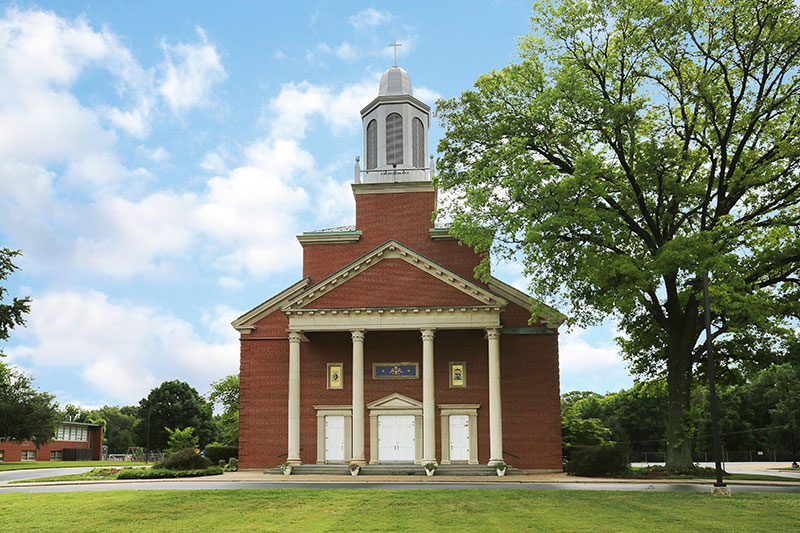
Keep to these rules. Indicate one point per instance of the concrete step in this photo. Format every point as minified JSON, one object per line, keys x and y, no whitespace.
{"x":397,"y":470}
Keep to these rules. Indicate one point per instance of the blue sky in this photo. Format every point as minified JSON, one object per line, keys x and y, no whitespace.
{"x":157,"y":160}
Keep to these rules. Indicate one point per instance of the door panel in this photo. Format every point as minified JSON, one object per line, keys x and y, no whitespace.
{"x":334,"y":439}
{"x":396,"y":438}
{"x":459,"y":438}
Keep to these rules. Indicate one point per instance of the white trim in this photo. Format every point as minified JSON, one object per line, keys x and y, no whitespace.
{"x":393,"y":187}
{"x":523,"y":300}
{"x":330,"y":237}
{"x":406,"y":318}
{"x":471,"y":411}
{"x":394,"y":404}
{"x":334,"y":410}
{"x":246,"y":322}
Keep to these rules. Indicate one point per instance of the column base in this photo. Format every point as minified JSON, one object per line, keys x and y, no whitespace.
{"x":294,"y":462}
{"x":360,"y":462}
{"x":426,"y":461}
{"x":493,"y":462}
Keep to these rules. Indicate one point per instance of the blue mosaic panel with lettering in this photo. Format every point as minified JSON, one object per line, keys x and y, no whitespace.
{"x":392,"y":370}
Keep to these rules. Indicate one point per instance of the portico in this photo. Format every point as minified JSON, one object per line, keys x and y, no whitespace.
{"x":356,"y":415}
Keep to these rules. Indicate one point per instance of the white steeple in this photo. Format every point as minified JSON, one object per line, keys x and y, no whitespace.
{"x":395,"y":127}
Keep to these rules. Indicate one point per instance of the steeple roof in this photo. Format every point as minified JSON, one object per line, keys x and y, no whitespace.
{"x":395,"y":81}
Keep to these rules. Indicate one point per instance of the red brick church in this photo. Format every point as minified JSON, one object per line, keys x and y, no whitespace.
{"x":388,"y":350}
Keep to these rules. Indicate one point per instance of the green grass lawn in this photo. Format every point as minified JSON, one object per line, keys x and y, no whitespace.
{"x":397,"y":510}
{"x":27,"y":465}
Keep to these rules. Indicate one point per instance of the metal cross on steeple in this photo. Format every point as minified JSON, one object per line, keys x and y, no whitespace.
{"x":395,"y":51}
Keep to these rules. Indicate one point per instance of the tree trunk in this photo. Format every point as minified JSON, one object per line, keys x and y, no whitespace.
{"x":679,"y":427}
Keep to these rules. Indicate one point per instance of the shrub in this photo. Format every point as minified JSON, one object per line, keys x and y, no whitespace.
{"x":186,"y":459}
{"x":595,"y":461}
{"x":233,"y":465}
{"x":181,"y":438}
{"x":160,"y":473}
{"x":218,"y":452}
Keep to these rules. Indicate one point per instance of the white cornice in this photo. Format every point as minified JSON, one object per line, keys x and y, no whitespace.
{"x":395,"y":318}
{"x":526,"y":302}
{"x":441,"y":234}
{"x":393,"y":187}
{"x":396,"y":99}
{"x":247,"y":322}
{"x":330,"y":237}
{"x":394,"y":250}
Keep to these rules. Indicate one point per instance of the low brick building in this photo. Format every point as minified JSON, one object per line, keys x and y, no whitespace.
{"x":388,"y":349}
{"x":72,"y":441}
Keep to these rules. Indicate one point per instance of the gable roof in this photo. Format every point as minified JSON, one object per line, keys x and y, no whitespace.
{"x":246,"y":322}
{"x":394,"y":249}
{"x":554,"y":317}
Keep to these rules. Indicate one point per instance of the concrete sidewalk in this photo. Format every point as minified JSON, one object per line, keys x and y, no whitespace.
{"x":258,"y":476}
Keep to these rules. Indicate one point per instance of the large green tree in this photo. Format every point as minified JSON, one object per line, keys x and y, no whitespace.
{"x":25,"y":413}
{"x":11,"y":314}
{"x":225,"y":393}
{"x":175,"y":405}
{"x":635,"y":144}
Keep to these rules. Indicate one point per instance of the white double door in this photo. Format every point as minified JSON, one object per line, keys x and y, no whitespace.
{"x":396,"y":438}
{"x":334,"y":439}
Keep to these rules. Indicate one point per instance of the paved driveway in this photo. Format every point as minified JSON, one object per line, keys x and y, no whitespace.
{"x":15,"y":475}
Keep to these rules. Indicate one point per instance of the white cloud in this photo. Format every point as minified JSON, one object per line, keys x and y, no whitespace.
{"x":213,"y":162}
{"x":297,"y":102}
{"x":346,"y":51}
{"x":369,"y":18}
{"x":157,"y":155}
{"x":335,"y":205}
{"x":590,"y":360}
{"x":123,"y":350}
{"x":123,"y":237}
{"x":429,"y":96}
{"x":190,"y":72}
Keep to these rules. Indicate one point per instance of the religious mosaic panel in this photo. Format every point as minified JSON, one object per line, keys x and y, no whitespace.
{"x":395,"y":370}
{"x":458,"y":374}
{"x":335,"y":378}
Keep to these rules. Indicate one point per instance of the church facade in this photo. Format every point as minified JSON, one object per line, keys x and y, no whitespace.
{"x":388,"y":350}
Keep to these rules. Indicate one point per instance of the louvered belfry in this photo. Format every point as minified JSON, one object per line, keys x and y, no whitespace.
{"x":395,"y":132}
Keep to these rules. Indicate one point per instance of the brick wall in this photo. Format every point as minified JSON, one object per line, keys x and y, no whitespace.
{"x":12,"y":451}
{"x":529,"y":363}
{"x":530,"y":393}
{"x":405,"y":218}
{"x":393,"y":283}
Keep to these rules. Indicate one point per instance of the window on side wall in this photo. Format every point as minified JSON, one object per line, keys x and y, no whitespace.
{"x":56,"y":455}
{"x":28,"y":455}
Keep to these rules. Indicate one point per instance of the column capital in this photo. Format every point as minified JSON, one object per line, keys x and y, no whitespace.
{"x":296,"y":336}
{"x":358,"y":335}
{"x":492,"y":333}
{"x":427,"y":334}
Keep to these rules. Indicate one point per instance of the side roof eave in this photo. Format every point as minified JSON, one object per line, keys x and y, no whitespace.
{"x":555,"y":318}
{"x":247,"y":322}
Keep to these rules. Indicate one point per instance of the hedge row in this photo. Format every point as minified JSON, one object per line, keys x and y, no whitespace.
{"x":161,"y":473}
{"x":216,"y":453}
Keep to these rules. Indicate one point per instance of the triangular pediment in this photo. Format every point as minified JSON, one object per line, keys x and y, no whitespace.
{"x":427,"y":278}
{"x":395,"y":401}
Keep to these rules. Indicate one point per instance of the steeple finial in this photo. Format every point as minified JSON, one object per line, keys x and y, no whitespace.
{"x":395,"y":45}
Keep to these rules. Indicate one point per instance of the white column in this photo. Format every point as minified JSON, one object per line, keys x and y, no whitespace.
{"x":495,"y":406}
{"x":294,"y":397}
{"x":428,"y":399}
{"x":358,"y":397}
